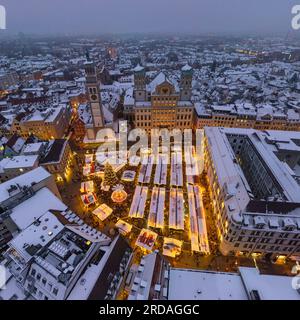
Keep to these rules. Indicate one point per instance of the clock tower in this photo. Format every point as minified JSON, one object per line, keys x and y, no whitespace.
{"x":94,"y":98}
{"x":139,"y":83}
{"x":186,"y":83}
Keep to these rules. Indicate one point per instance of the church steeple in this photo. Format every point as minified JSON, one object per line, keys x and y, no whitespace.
{"x":94,"y":97}
{"x":87,"y":55}
{"x":186,"y":83}
{"x":139,"y":83}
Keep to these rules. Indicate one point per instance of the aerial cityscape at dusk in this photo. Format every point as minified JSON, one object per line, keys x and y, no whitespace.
{"x":147,"y":158}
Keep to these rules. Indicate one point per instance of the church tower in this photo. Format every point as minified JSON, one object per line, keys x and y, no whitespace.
{"x":139,"y":83}
{"x":186,"y":83}
{"x":94,"y":98}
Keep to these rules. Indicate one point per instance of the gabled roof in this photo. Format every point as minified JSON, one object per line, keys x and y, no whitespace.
{"x":11,"y":143}
{"x":158,"y":80}
{"x":20,"y":116}
{"x":3,"y":120}
{"x":55,"y":151}
{"x":187,"y":67}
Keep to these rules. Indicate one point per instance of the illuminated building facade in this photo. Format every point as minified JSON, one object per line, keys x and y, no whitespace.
{"x":47,"y":124}
{"x":246,"y":116}
{"x":163,"y":103}
{"x":58,"y":159}
{"x":254,"y":184}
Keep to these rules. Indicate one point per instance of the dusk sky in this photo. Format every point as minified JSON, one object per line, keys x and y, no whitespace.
{"x":125,"y":16}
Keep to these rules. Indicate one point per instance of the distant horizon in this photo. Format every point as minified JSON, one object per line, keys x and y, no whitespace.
{"x":236,"y":17}
{"x":149,"y":34}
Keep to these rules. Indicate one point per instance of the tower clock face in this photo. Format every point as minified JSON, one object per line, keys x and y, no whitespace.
{"x":93,"y":97}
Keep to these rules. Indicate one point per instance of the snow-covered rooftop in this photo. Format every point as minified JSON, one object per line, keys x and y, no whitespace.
{"x":34,"y":176}
{"x":208,"y":285}
{"x":33,"y":208}
{"x":204,"y":285}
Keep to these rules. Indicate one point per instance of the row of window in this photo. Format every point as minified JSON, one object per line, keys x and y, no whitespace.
{"x":257,"y":234}
{"x":264,"y":247}
{"x":171,"y":100}
{"x":48,"y":285}
{"x":257,"y":125}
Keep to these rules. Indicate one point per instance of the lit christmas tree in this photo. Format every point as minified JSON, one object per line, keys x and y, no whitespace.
{"x":110,"y":177}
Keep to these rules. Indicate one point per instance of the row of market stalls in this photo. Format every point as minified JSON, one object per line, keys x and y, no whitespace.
{"x":156,"y":218}
{"x":162,"y":161}
{"x":176,"y":169}
{"x":88,"y":196}
{"x":160,"y":177}
{"x":146,"y":169}
{"x":157,"y":207}
{"x":191,"y":165}
{"x":198,"y":229}
{"x":176,"y":209}
{"x":137,"y":209}
{"x":147,"y":238}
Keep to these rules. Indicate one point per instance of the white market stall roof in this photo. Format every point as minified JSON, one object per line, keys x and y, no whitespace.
{"x":87,"y":186}
{"x":146,"y":169}
{"x":137,"y":208}
{"x":103,"y":212}
{"x":172,"y":247}
{"x":157,"y":206}
{"x":199,"y":237}
{"x":160,"y":177}
{"x":176,"y":169}
{"x":128,"y":175}
{"x":124,"y":227}
{"x":176,"y":210}
{"x":146,"y":239}
{"x":88,"y":199}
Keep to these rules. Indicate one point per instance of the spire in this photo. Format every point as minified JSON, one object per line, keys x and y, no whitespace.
{"x":187,"y":67}
{"x":138,"y":68}
{"x":87,"y":54}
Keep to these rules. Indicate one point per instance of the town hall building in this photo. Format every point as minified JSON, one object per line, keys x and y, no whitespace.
{"x":162,"y":103}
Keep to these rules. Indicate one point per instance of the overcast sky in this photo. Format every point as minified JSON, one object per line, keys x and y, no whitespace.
{"x":126,"y":16}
